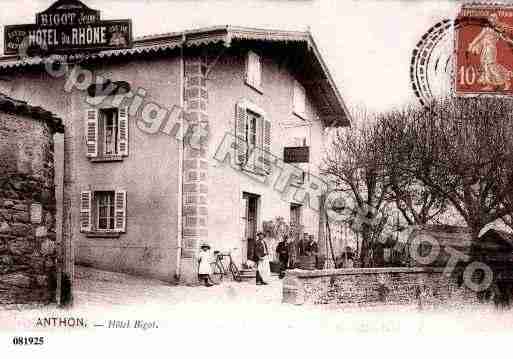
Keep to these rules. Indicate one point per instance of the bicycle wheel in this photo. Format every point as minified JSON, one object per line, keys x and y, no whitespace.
{"x":217,"y":273}
{"x":235,"y":272}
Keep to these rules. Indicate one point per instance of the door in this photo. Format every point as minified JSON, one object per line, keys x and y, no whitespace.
{"x":295,"y":214}
{"x":249,"y":224}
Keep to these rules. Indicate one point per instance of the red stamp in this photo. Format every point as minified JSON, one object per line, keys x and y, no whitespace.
{"x":484,"y":50}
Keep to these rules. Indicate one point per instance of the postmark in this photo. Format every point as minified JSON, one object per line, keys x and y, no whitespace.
{"x":471,"y":54}
{"x":431,"y":66}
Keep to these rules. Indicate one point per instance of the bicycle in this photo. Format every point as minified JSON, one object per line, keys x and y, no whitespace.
{"x":219,"y":270}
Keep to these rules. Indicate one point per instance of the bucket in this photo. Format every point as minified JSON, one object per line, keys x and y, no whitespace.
{"x":275,"y":267}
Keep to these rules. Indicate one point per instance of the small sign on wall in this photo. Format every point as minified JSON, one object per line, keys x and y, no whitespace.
{"x":296,"y":154}
{"x":36,"y":213}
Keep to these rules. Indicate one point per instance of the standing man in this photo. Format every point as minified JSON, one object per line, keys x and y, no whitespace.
{"x":302,"y":245}
{"x":262,"y":256}
{"x":282,"y":250}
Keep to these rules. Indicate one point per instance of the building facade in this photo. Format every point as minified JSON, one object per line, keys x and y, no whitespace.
{"x":181,"y":139}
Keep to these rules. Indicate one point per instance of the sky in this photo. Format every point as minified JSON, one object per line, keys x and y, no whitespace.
{"x":366,"y":44}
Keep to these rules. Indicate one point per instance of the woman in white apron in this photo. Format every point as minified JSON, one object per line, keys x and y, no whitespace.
{"x":204,"y":268}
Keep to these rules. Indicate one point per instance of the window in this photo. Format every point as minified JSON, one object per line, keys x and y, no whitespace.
{"x":107,"y":133}
{"x":254,"y":70}
{"x":109,"y":118}
{"x":253,"y":138}
{"x":299,"y":99}
{"x":251,"y":128}
{"x":253,"y":133}
{"x":103,"y":211}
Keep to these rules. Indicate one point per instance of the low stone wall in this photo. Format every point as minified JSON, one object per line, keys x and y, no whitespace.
{"x":27,"y":250}
{"x":373,"y":286}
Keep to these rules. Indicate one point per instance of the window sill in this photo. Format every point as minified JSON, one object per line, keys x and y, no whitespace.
{"x":99,"y":234}
{"x":297,"y":184}
{"x":300,"y":115}
{"x":252,"y":171}
{"x":256,"y":88}
{"x":107,"y":159}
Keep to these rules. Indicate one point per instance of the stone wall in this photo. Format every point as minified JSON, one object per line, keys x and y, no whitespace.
{"x":28,"y":249}
{"x":375,"y":286}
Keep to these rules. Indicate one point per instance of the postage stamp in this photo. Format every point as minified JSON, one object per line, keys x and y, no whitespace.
{"x":484,"y":50}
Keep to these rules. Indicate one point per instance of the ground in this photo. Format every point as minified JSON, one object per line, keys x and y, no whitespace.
{"x":99,"y":288}
{"x":236,"y":310}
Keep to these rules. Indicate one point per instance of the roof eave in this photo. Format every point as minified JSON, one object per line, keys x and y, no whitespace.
{"x":339,"y":115}
{"x":346,"y":121}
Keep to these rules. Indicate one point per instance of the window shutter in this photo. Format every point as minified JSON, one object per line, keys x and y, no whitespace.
{"x":92,"y":133}
{"x":299,"y":98}
{"x":257,"y":70}
{"x":267,"y":146}
{"x":123,"y":131}
{"x":254,"y":69}
{"x":120,"y":211}
{"x":241,"y":120}
{"x":85,"y":211}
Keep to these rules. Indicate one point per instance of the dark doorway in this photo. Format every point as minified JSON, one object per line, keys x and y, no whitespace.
{"x":249,"y":223}
{"x":295,"y":214}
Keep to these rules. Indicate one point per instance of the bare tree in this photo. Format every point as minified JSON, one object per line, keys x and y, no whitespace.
{"x":417,"y":203}
{"x":462,"y":151}
{"x":353,"y":165}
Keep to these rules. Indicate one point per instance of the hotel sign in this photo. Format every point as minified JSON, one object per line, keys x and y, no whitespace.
{"x":296,"y":154}
{"x":67,"y":26}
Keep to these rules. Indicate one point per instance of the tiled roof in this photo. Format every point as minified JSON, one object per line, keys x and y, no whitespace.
{"x":10,"y":105}
{"x":325,"y":93}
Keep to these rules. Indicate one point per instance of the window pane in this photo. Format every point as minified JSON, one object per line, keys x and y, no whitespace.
{"x":253,"y":131}
{"x":102,"y":224}
{"x":105,"y":210}
{"x":110,"y":117}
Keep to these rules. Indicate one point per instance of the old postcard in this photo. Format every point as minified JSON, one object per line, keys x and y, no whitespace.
{"x":260,"y":177}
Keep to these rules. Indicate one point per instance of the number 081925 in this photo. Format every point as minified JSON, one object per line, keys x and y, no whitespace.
{"x":28,"y":340}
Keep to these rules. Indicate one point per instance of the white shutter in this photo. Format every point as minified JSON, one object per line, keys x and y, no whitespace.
{"x":123,"y":131}
{"x":92,"y":132}
{"x":120,"y":211}
{"x":258,"y":71}
{"x":85,"y":211}
{"x":241,"y":120}
{"x":254,"y":69}
{"x":299,"y":98}
{"x":267,"y":145}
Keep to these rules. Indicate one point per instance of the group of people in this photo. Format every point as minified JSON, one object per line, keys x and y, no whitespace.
{"x":288,"y":252}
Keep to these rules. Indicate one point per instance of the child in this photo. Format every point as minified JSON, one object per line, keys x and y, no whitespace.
{"x":204,"y":269}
